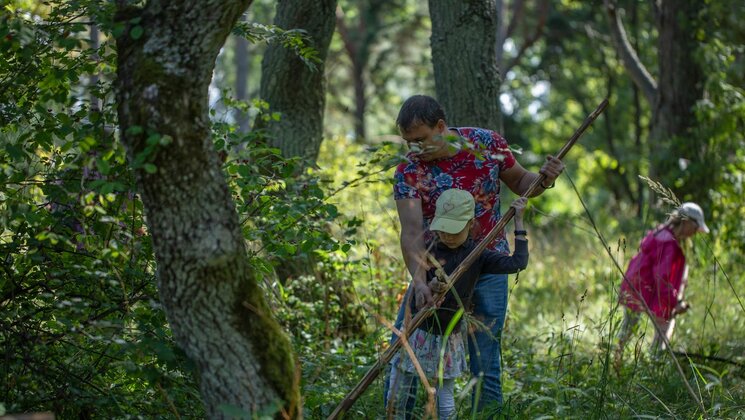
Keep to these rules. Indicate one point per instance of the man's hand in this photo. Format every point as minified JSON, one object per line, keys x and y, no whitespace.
{"x":422,"y":295}
{"x":552,"y":168}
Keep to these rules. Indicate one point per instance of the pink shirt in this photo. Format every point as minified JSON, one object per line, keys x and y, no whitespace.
{"x":655,"y":275}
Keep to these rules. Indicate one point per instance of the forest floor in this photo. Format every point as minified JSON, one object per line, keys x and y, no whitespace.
{"x":557,"y":347}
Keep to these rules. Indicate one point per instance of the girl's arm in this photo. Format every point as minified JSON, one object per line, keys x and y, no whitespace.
{"x":519,"y":206}
{"x":682,"y":305}
{"x":494,"y":263}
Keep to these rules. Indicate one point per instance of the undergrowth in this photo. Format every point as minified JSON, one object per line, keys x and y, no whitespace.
{"x":559,"y":335}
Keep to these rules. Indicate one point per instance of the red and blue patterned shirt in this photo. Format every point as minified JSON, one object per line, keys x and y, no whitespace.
{"x":474,"y":168}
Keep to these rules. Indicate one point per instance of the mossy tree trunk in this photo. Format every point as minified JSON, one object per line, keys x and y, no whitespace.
{"x":215,"y":308}
{"x":464,"y":35}
{"x":293,"y":89}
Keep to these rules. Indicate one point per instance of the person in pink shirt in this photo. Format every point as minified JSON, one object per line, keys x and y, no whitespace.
{"x":657,"y":276}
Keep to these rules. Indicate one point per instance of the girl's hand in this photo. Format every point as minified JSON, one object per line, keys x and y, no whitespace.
{"x":519,"y":206}
{"x":681,"y":308}
{"x":437,"y":286}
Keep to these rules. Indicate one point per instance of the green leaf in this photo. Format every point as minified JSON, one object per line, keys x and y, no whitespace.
{"x":15,"y":152}
{"x":134,"y":130}
{"x":107,"y":188}
{"x":150,"y":168}
{"x":103,"y":166}
{"x":136,"y":32}
{"x":118,"y":30}
{"x":153,"y":139}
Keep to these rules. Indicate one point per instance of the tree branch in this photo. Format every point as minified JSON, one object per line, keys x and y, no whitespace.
{"x":518,"y":15}
{"x":529,"y":41}
{"x":630,"y":59}
{"x":341,"y":27}
{"x":705,"y":357}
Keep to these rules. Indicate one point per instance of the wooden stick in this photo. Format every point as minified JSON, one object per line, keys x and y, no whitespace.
{"x":708,"y":358}
{"x":371,"y":374}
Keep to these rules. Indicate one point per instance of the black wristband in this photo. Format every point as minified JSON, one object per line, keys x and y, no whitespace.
{"x":521,"y":232}
{"x":553,"y":184}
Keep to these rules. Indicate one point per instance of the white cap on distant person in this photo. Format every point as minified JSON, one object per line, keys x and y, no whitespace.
{"x":693,"y":211}
{"x":454,"y":209}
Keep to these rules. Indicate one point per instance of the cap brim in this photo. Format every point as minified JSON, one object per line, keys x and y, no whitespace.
{"x":703,"y":228}
{"x":447,"y":225}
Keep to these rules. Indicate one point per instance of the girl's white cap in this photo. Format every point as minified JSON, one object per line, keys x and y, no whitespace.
{"x":693,"y":211}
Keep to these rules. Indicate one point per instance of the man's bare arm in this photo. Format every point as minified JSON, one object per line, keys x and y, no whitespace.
{"x":412,"y":247}
{"x":518,"y":179}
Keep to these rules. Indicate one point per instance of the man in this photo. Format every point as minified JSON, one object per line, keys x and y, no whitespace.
{"x":472,"y":159}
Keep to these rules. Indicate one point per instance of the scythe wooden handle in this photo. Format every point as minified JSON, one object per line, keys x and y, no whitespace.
{"x":386,"y":357}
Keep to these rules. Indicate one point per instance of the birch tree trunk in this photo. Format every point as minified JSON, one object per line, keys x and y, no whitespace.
{"x":293,"y":89}
{"x":216,"y":310}
{"x":464,"y":34}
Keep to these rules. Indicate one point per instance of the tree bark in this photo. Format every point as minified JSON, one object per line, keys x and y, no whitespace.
{"x":216,"y":310}
{"x":359,"y":38}
{"x":93,"y":81}
{"x":673,"y":96}
{"x":464,"y":58}
{"x":293,"y":89}
{"x":358,"y":50}
{"x":634,"y":67}
{"x":680,"y":87}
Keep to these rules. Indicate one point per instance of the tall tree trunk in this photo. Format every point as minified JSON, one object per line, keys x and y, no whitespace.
{"x":680,"y":87}
{"x":639,"y":145}
{"x":464,"y":34}
{"x":359,"y":37}
{"x":93,"y":81}
{"x":293,"y":89}
{"x":210,"y":294}
{"x":673,"y":96}
{"x":360,"y":100}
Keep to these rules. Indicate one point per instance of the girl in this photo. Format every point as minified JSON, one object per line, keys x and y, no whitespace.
{"x":443,"y":357}
{"x":657,"y":275}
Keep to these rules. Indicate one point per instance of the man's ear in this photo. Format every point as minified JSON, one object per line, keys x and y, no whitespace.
{"x":441,"y":125}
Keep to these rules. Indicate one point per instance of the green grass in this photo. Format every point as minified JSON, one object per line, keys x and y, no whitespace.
{"x":561,"y":317}
{"x":561,"y":323}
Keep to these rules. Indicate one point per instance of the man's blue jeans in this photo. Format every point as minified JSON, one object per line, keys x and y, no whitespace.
{"x":490,"y":307}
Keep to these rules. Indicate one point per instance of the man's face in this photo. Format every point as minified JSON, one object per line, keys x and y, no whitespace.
{"x":426,"y":142}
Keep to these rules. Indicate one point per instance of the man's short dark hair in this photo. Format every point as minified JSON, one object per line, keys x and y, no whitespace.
{"x":419,"y":109}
